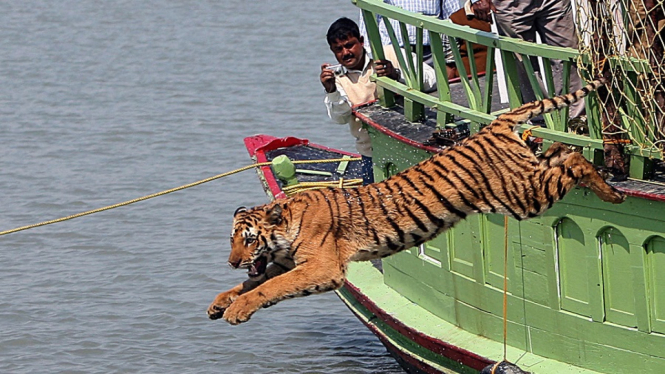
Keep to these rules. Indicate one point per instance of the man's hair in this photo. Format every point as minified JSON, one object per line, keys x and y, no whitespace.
{"x":342,"y":29}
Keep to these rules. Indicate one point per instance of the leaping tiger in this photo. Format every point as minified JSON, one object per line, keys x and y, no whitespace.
{"x":302,"y":245}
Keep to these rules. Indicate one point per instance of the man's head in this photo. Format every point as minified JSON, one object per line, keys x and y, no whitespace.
{"x":346,"y":43}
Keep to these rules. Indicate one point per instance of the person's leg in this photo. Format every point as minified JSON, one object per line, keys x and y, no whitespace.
{"x":516,"y":19}
{"x":367,"y":170}
{"x":556,"y":27}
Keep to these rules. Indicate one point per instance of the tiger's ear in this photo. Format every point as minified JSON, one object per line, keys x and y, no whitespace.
{"x":239,"y":210}
{"x":274,"y":215}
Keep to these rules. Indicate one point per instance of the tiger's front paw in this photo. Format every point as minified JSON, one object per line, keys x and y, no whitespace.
{"x":618,"y":197}
{"x":220,"y":304}
{"x":612,"y":195}
{"x":239,"y":312}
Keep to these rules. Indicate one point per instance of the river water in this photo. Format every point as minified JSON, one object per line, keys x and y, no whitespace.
{"x":105,"y":101}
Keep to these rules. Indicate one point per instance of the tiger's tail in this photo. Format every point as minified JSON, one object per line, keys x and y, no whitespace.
{"x":530,"y":110}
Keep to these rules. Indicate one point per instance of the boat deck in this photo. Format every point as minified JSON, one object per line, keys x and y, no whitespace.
{"x":316,"y":172}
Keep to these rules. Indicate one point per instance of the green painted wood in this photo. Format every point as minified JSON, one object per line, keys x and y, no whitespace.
{"x":511,"y":78}
{"x":412,"y":70}
{"x":433,"y":252}
{"x":640,"y":285}
{"x":443,"y":86}
{"x":593,"y":116}
{"x":419,"y":58}
{"x":550,"y":119}
{"x":578,"y":276}
{"x":386,"y":97}
{"x":404,"y":343}
{"x":640,"y":167}
{"x":565,"y":88}
{"x":656,"y":282}
{"x":585,"y":285}
{"x":489,"y":80}
{"x":369,"y":280}
{"x":465,"y":249}
{"x":549,"y":78}
{"x":634,"y":116}
{"x":473,"y":69}
{"x":585,"y":281}
{"x":408,"y":70}
{"x":431,"y":101}
{"x":413,"y":110}
{"x":471,"y":92}
{"x":619,"y":300}
{"x":493,"y":254}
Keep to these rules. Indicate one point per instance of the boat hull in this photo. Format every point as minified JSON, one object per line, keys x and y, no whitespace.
{"x":583,"y":286}
{"x":584,"y":290}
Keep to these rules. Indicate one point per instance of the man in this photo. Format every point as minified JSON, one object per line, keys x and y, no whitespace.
{"x":551,"y":19}
{"x":349,"y":84}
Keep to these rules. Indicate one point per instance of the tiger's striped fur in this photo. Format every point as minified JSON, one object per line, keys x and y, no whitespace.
{"x":315,"y":233}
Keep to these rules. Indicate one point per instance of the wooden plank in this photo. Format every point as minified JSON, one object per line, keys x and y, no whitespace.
{"x":386,"y":97}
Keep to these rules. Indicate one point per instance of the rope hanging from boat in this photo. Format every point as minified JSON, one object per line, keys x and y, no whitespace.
{"x":128,"y":202}
{"x":505,"y":287}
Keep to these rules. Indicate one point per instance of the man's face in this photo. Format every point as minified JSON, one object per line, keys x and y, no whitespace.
{"x":349,"y":52}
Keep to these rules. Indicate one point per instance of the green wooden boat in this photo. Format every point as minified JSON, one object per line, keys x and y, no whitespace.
{"x":585,"y":282}
{"x":585,"y":288}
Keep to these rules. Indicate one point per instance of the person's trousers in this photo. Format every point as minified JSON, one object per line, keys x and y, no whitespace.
{"x":553,"y":21}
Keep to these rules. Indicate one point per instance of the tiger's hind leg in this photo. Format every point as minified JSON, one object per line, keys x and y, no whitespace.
{"x":554,"y":155}
{"x":561,"y":169}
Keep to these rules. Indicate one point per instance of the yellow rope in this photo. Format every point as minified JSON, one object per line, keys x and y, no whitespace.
{"x":302,"y":186}
{"x":527,"y":132}
{"x":166,"y":192}
{"x":495,"y":366}
{"x":505,"y":287}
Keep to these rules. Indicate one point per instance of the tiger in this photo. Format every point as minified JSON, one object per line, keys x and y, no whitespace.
{"x":302,"y":245}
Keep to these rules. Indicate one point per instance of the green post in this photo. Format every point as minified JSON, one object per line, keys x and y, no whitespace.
{"x":386,"y":97}
{"x":640,"y":167}
{"x":285,"y":170}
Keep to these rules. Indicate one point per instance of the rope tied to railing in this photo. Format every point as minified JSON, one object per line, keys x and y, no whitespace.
{"x":616,"y":141}
{"x":527,"y":133}
{"x":143,"y":198}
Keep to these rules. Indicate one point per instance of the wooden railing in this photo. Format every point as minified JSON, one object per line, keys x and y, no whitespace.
{"x":479,"y":96}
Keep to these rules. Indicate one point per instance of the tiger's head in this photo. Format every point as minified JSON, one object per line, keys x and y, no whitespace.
{"x":256,"y":238}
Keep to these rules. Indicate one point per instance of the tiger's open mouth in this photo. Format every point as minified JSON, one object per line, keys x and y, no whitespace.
{"x":258,"y":267}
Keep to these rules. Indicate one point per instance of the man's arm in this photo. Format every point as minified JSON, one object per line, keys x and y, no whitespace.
{"x":482,"y":9}
{"x":387,"y":68}
{"x":336,"y":101}
{"x":429,"y":78}
{"x":338,"y":106}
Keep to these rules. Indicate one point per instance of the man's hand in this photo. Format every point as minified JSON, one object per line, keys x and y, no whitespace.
{"x":328,"y":79}
{"x":385,"y":68}
{"x":482,"y":9}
